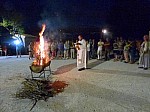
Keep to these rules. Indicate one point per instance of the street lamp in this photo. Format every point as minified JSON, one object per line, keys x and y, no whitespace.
{"x":104,"y":31}
{"x":16,"y":42}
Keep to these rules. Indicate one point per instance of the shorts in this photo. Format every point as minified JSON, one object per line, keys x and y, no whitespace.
{"x":120,"y":52}
{"x":116,"y":52}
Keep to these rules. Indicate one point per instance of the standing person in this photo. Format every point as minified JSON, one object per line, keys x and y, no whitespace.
{"x":138,"y":46}
{"x":144,"y":60}
{"x":107,"y":50}
{"x":72,"y":50}
{"x":53,"y":49}
{"x":126,"y":52}
{"x":81,"y":53}
{"x":88,"y":50}
{"x":60,"y":49}
{"x":69,"y":44}
{"x":30,"y":50}
{"x":132,"y":52}
{"x":100,"y":49}
{"x":1,"y":50}
{"x":93,"y":49}
{"x":5,"y":50}
{"x":66,"y":50}
{"x":18,"y":49}
{"x":120,"y":48}
{"x":115,"y":50}
{"x":58,"y":52}
{"x":91,"y":43}
{"x":141,"y":58}
{"x":48,"y":48}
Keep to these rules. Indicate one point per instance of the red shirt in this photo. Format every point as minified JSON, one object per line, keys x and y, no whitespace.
{"x":107,"y":45}
{"x":4,"y":48}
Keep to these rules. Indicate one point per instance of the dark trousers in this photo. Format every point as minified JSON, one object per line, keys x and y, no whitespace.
{"x":107,"y":54}
{"x":132,"y":56}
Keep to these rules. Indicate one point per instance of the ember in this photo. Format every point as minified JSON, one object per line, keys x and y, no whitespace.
{"x":40,"y":90}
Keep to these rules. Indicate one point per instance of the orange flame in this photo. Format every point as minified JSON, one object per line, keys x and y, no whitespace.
{"x":41,"y":51}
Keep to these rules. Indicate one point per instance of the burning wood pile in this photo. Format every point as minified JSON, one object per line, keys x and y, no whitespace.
{"x":42,"y":59}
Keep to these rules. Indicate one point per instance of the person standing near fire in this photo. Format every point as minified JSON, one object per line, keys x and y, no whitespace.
{"x":60,"y":49}
{"x":30,"y":50}
{"x":66,"y":50}
{"x":53,"y":49}
{"x":5,"y":50}
{"x":81,"y":53}
{"x":72,"y":50}
{"x":18,"y":49}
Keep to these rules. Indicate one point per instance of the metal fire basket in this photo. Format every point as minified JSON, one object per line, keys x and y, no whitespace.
{"x":40,"y":69}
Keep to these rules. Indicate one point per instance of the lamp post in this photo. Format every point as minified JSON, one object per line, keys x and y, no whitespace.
{"x":104,"y":31}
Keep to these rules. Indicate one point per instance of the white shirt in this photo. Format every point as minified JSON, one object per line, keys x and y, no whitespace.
{"x":100,"y":45}
{"x":146,"y":46}
{"x":88,"y":47}
{"x":83,"y":44}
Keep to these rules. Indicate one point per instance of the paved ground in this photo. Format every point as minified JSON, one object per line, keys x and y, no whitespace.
{"x":106,"y":87}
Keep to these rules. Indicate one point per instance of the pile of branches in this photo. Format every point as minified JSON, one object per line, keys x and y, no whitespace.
{"x":39,"y":90}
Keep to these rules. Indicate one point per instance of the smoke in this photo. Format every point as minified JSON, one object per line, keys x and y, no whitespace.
{"x":53,"y":22}
{"x":54,"y":18}
{"x":72,"y":14}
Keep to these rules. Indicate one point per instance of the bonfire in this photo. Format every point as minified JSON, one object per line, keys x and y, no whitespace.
{"x":42,"y":58}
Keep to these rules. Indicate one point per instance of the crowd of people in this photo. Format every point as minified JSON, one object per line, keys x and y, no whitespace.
{"x":3,"y":49}
{"x":59,"y":50}
{"x":133,"y":51}
{"x":127,"y":51}
{"x":66,"y":49}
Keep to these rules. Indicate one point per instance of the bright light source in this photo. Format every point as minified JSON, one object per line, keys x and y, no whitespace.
{"x":17,"y":42}
{"x":104,"y":31}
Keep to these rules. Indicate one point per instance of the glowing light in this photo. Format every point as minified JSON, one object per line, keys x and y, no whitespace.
{"x":16,"y":42}
{"x":104,"y":31}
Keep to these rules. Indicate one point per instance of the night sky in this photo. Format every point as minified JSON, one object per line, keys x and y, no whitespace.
{"x":126,"y":18}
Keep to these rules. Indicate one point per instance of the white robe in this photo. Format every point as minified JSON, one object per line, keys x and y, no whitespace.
{"x":82,"y":55}
{"x":147,"y":55}
{"x":141,"y":58}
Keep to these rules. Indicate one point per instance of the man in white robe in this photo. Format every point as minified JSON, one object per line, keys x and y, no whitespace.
{"x":81,"y":53}
{"x":144,"y":60}
{"x":146,"y":53}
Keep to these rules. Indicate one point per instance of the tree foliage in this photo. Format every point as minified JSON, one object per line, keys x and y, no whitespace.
{"x":12,"y":21}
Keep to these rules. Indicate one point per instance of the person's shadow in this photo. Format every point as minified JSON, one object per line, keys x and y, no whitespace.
{"x":94,"y":64}
{"x":67,"y":68}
